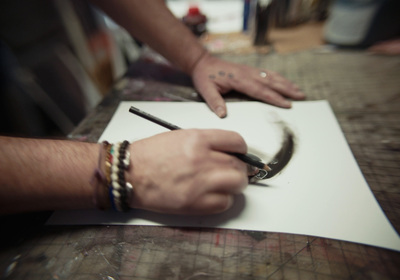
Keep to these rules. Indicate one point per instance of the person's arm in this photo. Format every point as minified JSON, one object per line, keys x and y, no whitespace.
{"x":194,"y":175}
{"x":388,"y":47}
{"x":152,"y":22}
{"x":45,"y":174}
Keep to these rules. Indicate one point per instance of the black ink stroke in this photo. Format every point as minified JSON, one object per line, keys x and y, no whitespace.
{"x":281,"y":158}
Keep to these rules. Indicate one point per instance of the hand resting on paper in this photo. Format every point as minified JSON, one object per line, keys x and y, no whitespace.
{"x":213,"y":77}
{"x":178,"y":172}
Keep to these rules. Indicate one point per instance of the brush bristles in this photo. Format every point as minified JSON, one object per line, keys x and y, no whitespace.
{"x":266,"y":167}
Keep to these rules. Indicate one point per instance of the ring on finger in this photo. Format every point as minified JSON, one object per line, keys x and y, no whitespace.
{"x":263,"y":74}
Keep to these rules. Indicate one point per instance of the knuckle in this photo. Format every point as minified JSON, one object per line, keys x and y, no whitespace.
{"x":260,"y":92}
{"x":236,"y":138}
{"x":194,"y":140}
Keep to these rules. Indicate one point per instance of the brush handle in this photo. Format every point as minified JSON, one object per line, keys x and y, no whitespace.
{"x":245,"y":158}
{"x":153,"y":119}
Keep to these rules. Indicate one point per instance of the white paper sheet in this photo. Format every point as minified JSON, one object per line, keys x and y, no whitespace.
{"x":320,"y":193}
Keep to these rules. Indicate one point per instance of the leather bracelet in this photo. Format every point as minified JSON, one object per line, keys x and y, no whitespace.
{"x":99,"y":181}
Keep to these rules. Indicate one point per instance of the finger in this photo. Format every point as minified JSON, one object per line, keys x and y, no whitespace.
{"x":213,"y":98}
{"x":286,"y":90}
{"x":262,"y":93}
{"x":278,"y":83}
{"x":272,"y":97}
{"x":227,"y":162}
{"x":225,"y":141}
{"x":387,"y":47}
{"x":228,"y":179}
{"x":211,"y":203}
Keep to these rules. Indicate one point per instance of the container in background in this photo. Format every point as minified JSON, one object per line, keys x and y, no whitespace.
{"x":195,"y":20}
{"x":258,"y":19}
{"x":361,"y":23}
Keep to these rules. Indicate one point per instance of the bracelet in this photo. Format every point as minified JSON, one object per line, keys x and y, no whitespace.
{"x":193,"y":66}
{"x":110,"y":186}
{"x":117,"y":162}
{"x":99,"y":181}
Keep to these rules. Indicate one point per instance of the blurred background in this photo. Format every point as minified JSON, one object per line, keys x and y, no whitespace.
{"x":59,"y":58}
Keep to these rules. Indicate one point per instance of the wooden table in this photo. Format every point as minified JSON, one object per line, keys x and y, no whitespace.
{"x":364,"y":92}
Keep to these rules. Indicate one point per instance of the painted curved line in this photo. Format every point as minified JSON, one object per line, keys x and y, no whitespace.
{"x":283,"y":156}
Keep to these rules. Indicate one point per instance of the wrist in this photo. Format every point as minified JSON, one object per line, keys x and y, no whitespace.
{"x":201,"y":56}
{"x":111,"y":189}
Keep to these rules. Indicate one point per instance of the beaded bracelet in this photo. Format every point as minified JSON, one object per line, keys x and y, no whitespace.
{"x":110,"y":186}
{"x":117,"y":162}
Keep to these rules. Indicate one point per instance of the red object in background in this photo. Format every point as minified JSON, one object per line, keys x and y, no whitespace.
{"x":195,"y":20}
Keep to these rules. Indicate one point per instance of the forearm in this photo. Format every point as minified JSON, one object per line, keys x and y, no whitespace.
{"x":153,"y":23}
{"x":45,"y":174}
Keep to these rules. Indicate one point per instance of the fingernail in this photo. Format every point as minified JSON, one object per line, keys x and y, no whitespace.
{"x":251,"y":170}
{"x":220,"y":112}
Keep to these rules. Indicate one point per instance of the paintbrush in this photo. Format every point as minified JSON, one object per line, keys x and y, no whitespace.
{"x":247,"y":158}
